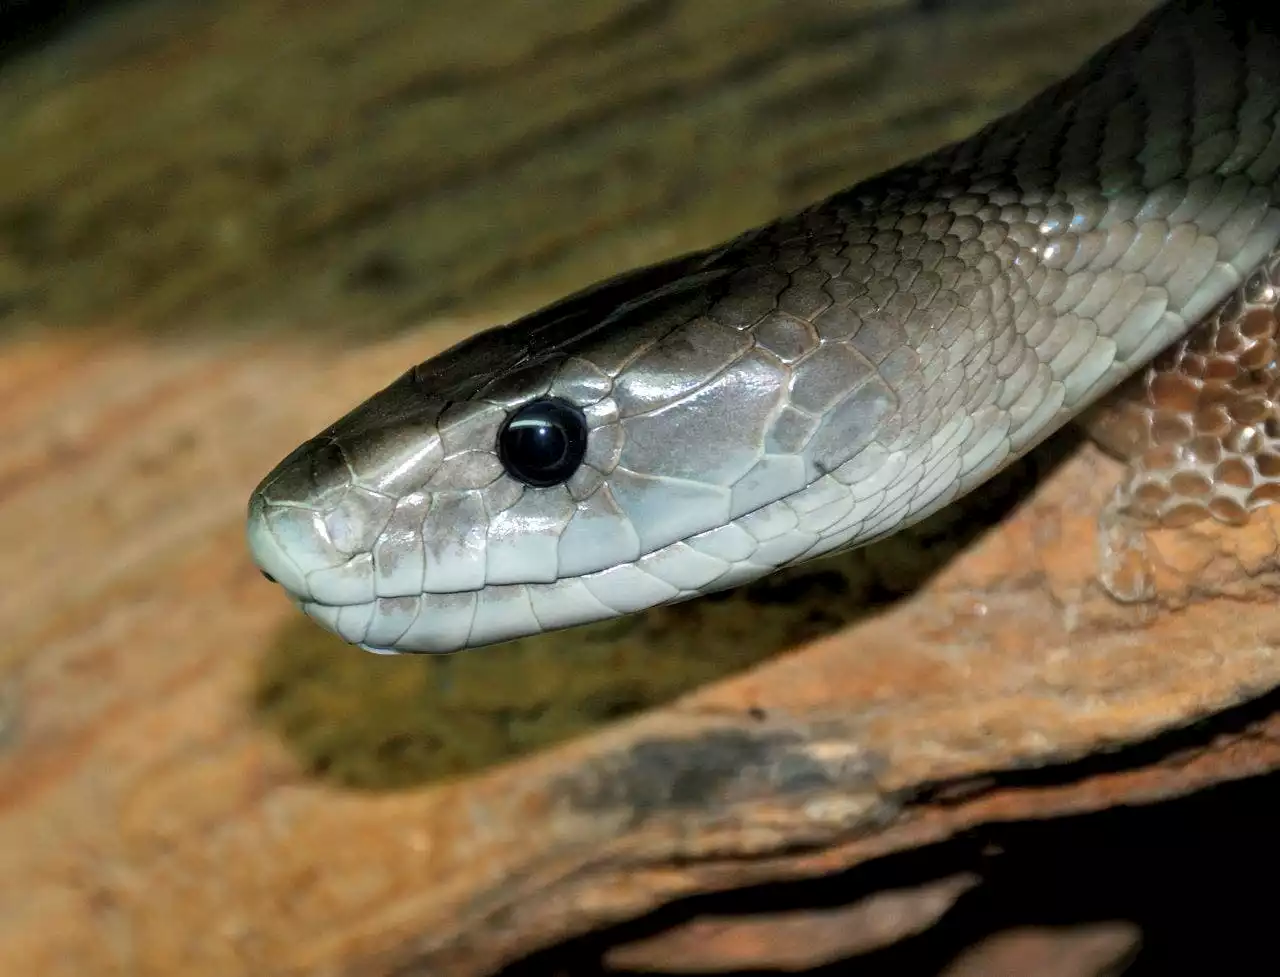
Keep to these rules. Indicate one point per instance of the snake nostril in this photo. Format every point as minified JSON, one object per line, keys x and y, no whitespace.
{"x":268,"y":576}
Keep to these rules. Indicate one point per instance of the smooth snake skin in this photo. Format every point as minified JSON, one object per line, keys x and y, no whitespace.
{"x":816,"y":383}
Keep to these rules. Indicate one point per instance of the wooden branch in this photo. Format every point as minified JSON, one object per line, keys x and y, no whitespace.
{"x":152,"y":826}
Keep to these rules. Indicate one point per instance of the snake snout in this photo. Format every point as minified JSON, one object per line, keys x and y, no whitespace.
{"x":312,"y":529}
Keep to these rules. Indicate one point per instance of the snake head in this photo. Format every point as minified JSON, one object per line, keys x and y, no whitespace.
{"x":618,"y":450}
{"x":813,"y":384}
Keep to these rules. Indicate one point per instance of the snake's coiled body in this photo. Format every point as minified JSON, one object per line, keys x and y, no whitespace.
{"x":814,"y":384}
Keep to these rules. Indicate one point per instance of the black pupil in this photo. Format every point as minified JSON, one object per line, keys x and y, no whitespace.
{"x":543,"y":442}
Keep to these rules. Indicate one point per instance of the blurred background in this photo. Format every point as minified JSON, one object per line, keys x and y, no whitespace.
{"x":224,"y":222}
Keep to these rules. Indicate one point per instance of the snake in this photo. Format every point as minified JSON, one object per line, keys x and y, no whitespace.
{"x":1106,"y":254}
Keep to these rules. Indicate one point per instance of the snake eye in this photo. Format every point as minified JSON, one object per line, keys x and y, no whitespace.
{"x":542,"y":443}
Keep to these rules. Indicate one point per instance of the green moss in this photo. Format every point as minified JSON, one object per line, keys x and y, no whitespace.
{"x":360,"y":166}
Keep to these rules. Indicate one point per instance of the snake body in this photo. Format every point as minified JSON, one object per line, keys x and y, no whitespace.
{"x":812,"y":385}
